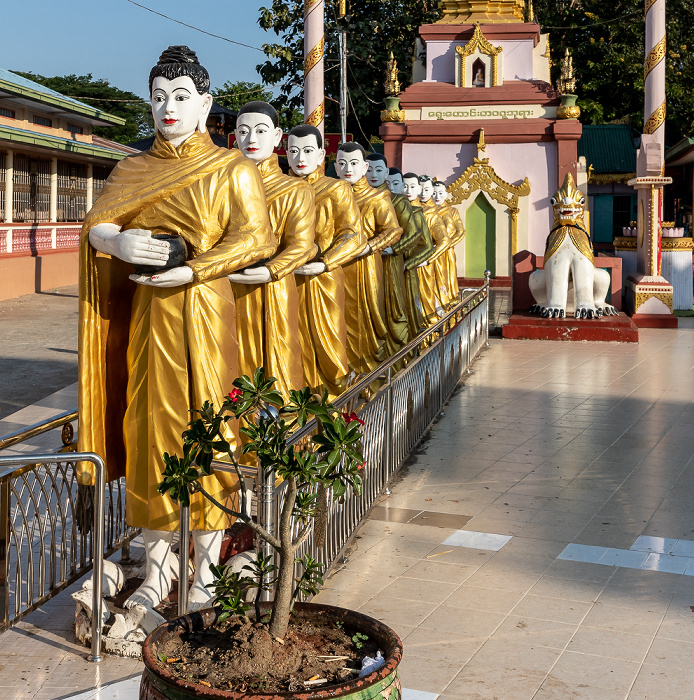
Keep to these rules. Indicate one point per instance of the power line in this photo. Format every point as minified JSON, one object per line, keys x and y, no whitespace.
{"x":597,"y":24}
{"x":197,"y":29}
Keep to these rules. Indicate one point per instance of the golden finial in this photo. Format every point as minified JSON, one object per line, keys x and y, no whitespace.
{"x":392,"y":84}
{"x":567,"y":82}
{"x":343,"y":8}
{"x":481,"y":145}
{"x":531,"y":11}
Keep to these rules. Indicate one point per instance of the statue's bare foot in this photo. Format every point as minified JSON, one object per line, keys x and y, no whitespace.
{"x":553,"y":312}
{"x":207,"y":547}
{"x":154,"y":589}
{"x":585,"y":312}
{"x":199,"y":597}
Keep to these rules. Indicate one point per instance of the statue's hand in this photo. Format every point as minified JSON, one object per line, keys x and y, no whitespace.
{"x":135,"y":246}
{"x":312,"y":268}
{"x":387,"y":251}
{"x":366,"y":251}
{"x":175,"y":277}
{"x":252,"y":275}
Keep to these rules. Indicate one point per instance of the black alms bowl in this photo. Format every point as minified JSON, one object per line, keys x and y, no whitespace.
{"x":178,"y":254}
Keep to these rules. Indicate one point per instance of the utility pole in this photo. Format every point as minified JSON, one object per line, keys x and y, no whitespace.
{"x":343,"y":75}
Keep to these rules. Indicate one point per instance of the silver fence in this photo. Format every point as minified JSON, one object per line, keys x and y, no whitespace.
{"x":47,"y":527}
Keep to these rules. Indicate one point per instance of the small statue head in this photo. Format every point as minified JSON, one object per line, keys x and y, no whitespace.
{"x":412,"y":188}
{"x":427,"y":184}
{"x":179,"y":93}
{"x":351,"y":162}
{"x":376,"y":169}
{"x":258,"y":130}
{"x":568,"y":203}
{"x":305,"y":151}
{"x":394,"y":181}
{"x":440,"y":192}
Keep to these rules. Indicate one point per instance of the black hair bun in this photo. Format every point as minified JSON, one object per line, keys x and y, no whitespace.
{"x":178,"y":54}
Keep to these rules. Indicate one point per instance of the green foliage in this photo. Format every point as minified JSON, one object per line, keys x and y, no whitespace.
{"x":359,"y":640}
{"x":330,"y":461}
{"x":101,"y":95}
{"x":374,"y":29}
{"x":606,"y":41}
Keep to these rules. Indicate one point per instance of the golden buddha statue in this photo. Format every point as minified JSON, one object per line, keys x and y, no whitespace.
{"x":456,"y":233}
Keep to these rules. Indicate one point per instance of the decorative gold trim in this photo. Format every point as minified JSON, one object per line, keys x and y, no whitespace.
{"x":568,"y":112}
{"x":655,"y":121}
{"x":308,"y":4}
{"x":609,"y":178}
{"x":640,"y":298}
{"x":649,"y":4}
{"x":653,"y":234}
{"x":481,"y":145}
{"x":482,"y":176}
{"x":675,"y":244}
{"x":514,"y":230}
{"x":625,"y":243}
{"x":314,"y":56}
{"x":393,"y":115}
{"x":317,"y":116}
{"x":655,"y":56}
{"x":478,"y":41}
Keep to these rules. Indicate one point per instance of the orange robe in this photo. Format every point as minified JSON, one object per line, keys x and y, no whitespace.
{"x":149,"y":355}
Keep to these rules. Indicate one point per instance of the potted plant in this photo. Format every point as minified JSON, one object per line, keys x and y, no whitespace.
{"x":238,"y":650}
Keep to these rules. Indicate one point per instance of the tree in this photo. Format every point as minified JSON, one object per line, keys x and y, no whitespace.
{"x":607,"y":45}
{"x":234,"y":95}
{"x":374,"y":29}
{"x":101,"y":95}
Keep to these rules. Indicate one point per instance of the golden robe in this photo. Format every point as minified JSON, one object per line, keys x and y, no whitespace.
{"x":429,"y":292}
{"x":150,"y":355}
{"x":456,"y":233}
{"x":407,"y":247}
{"x":267,"y":315}
{"x":340,"y":238}
{"x":365,"y":302}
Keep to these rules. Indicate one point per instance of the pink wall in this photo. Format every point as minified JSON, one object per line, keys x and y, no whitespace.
{"x":517,"y":60}
{"x":512,"y":163}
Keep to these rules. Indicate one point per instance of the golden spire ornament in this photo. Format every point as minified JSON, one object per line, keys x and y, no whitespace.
{"x":566,"y":85}
{"x":392,"y":84}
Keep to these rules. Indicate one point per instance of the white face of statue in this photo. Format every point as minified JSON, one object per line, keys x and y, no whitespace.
{"x":350,"y":166}
{"x":178,"y":109}
{"x":376,"y":172}
{"x":412,"y":188}
{"x":427,"y":191}
{"x":303,"y":154}
{"x":257,"y":136}
{"x":395,"y":183}
{"x":440,"y":194}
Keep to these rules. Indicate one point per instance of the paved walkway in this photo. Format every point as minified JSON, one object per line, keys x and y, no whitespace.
{"x":510,"y":556}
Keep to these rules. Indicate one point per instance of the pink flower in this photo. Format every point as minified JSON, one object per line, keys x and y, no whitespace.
{"x":234,"y":394}
{"x":360,"y":467}
{"x":349,"y":417}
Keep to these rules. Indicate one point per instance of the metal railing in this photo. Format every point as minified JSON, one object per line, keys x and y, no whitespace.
{"x":395,"y":420}
{"x":50,"y":526}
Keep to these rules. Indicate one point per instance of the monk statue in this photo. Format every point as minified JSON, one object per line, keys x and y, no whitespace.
{"x":401,"y":260}
{"x":456,"y":233}
{"x":269,"y":292}
{"x":432,"y":307}
{"x":321,"y":283}
{"x":570,"y":282}
{"x":155,"y":344}
{"x":367,"y":324}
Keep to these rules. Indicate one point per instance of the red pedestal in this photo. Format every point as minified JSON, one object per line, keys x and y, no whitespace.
{"x":619,"y":329}
{"x":655,"y":320}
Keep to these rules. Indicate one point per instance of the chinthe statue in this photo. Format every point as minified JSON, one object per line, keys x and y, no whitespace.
{"x":570,"y":282}
{"x":154,"y":345}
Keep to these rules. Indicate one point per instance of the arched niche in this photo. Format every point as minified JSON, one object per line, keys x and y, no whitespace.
{"x":478,"y":52}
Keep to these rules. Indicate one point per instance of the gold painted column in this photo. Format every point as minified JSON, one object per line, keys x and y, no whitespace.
{"x":314,"y":60}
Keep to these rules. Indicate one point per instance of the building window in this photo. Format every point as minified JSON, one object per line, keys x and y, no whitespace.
{"x":9,"y":113}
{"x":43,"y":121}
{"x":74,"y":129}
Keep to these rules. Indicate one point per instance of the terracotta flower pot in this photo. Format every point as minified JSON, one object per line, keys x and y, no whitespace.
{"x":158,"y":683}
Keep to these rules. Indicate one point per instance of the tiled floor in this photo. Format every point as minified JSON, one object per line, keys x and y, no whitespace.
{"x":547,"y":445}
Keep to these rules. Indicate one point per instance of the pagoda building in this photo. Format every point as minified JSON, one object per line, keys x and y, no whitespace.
{"x":482,"y":116}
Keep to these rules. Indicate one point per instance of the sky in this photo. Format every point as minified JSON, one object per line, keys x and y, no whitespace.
{"x":120,"y":42}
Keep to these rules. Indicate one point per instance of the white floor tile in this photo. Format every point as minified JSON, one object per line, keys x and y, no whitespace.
{"x":623,"y":557}
{"x":684,"y":548}
{"x":585,"y":553}
{"x":666,"y":562}
{"x":408,"y":694}
{"x":661,"y":545}
{"x":477,"y":540}
{"x":128,"y":689}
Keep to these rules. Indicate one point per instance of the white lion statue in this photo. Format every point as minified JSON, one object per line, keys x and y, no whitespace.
{"x":570,"y":282}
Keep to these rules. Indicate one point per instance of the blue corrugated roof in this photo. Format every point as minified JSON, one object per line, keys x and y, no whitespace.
{"x":609,"y":148}
{"x":20,"y":81}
